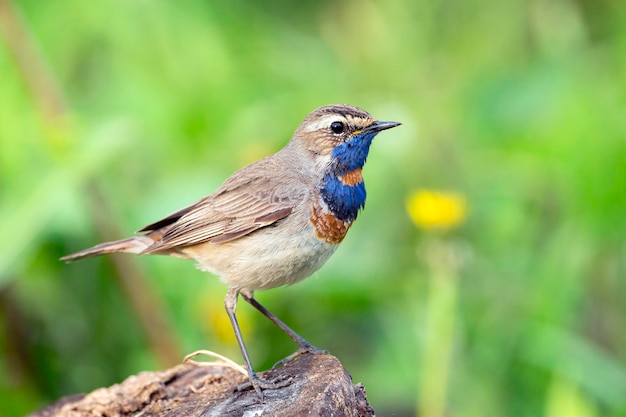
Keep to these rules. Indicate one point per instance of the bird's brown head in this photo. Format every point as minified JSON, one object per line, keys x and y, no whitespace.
{"x":339,"y":135}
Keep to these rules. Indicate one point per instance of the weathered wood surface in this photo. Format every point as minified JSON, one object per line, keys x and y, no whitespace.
{"x":320,"y":387}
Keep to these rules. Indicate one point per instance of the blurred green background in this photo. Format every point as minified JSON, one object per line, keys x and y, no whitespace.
{"x":115,"y":114}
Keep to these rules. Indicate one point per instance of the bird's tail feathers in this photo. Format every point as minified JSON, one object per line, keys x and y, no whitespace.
{"x":136,"y":244}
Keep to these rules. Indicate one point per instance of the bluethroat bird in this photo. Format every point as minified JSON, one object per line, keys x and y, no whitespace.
{"x":273,"y":222}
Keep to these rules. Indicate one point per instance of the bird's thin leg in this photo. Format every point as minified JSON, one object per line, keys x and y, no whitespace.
{"x":230,"y":302}
{"x":303,"y":345}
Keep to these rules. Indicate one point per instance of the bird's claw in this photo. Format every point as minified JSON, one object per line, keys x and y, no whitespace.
{"x":261,"y":384}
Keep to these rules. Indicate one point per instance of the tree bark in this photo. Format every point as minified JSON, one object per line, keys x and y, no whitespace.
{"x":320,"y":386}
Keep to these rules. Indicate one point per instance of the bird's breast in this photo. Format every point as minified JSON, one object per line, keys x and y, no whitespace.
{"x":328,"y":226}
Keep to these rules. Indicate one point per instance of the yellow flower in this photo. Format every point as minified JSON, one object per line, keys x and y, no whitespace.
{"x":436,"y":210}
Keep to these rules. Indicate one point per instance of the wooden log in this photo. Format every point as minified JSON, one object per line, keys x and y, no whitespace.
{"x":320,"y":387}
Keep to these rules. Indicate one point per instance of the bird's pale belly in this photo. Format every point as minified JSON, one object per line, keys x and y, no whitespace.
{"x":269,"y":258}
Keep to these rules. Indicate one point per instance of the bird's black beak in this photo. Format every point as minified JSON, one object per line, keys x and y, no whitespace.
{"x":378,"y":126}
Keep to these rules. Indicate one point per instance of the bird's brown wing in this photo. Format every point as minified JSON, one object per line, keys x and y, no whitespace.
{"x":234,"y":210}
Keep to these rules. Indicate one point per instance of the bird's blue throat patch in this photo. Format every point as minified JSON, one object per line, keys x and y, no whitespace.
{"x":343,"y":189}
{"x":343,"y":200}
{"x":351,"y":154}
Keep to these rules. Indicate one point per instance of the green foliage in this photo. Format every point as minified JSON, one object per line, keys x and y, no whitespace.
{"x":517,"y":106}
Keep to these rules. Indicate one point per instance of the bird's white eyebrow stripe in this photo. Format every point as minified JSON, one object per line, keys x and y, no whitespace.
{"x":322,"y":123}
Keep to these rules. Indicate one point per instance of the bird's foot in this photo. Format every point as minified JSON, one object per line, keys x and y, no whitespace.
{"x":301,"y":351}
{"x":260,"y":385}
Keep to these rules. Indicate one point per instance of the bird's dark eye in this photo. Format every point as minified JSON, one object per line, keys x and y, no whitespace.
{"x":337,"y":127}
